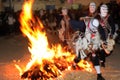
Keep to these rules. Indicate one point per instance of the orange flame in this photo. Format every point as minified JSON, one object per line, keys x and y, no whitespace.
{"x":84,"y":64}
{"x":39,"y":48}
{"x":38,"y":41}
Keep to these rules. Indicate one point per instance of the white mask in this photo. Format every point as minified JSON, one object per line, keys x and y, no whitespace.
{"x":103,"y":10}
{"x":92,"y":7}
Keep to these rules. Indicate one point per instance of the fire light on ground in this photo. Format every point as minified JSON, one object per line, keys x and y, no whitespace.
{"x":46,"y":62}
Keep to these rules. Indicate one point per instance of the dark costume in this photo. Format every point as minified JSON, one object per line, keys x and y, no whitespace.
{"x":106,"y":30}
{"x":107,"y":27}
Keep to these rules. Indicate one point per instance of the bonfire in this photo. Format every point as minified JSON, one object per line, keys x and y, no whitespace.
{"x":46,"y":62}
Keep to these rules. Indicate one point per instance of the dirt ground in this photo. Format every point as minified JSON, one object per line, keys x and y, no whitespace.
{"x":13,"y":50}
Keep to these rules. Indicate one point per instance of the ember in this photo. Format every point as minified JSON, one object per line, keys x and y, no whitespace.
{"x":52,"y":70}
{"x":46,"y":63}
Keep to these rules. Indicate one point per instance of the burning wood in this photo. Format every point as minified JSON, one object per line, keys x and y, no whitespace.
{"x":34,"y":74}
{"x":50,"y":70}
{"x":45,"y":62}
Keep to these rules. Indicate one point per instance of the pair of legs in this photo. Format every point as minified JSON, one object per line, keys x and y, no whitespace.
{"x":96,"y":63}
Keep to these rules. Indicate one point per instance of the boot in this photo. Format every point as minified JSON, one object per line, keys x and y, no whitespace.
{"x":99,"y":77}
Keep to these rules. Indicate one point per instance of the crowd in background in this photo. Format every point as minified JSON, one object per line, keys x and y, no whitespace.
{"x":9,"y":23}
{"x":9,"y":20}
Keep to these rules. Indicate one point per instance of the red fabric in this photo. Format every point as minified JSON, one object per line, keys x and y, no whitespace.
{"x":92,"y":35}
